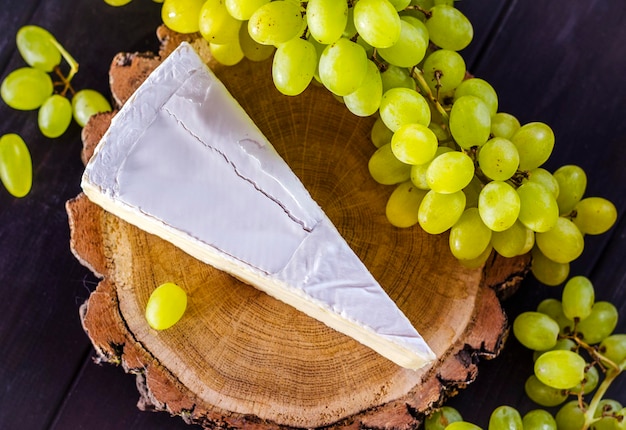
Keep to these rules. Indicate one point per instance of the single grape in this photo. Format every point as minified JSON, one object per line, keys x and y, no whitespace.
{"x":117,"y":3}
{"x":536,"y":330}
{"x":16,"y":166}
{"x":539,"y":419}
{"x":560,"y":369}
{"x":26,"y":88}
{"x":327,"y":19}
{"x":505,"y":418}
{"x":543,"y":394}
{"x":499,"y":205}
{"x":498,"y":159}
{"x":554,"y":309}
{"x":594,"y":215}
{"x":276,"y":22}
{"x":504,"y":125}
{"x":479,"y":88}
{"x":293,"y":66}
{"x":378,"y":22}
{"x":570,"y":416}
{"x":401,"y":106}
{"x":441,"y":418}
{"x":450,"y":172}
{"x":366,"y":99}
{"x":547,"y":271}
{"x":444,"y":70}
{"x":572,"y":184}
{"x":396,"y":77}
{"x":342,"y":66}
{"x":419,"y":171}
{"x":166,"y":306}
{"x":563,"y":243}
{"x":217,"y":25}
{"x":227,"y":54}
{"x":380,"y":135}
{"x":535,"y":142}
{"x":403,"y":205}
{"x":578,"y":298}
{"x":543,"y":177}
{"x":55,"y":116}
{"x":599,"y":324}
{"x":36,"y":47}
{"x":470,"y":122}
{"x":410,"y":48}
{"x":243,"y":9}
{"x":386,"y":169}
{"x":253,"y":50}
{"x":538,"y":208}
{"x":439,"y":212}
{"x":182,"y":15}
{"x":589,"y":383}
{"x":86,"y":103}
{"x":469,"y":237}
{"x":462,"y":425}
{"x":605,"y":411}
{"x":414,"y":144}
{"x":449,"y":28}
{"x":614,"y":348}
{"x":515,"y":240}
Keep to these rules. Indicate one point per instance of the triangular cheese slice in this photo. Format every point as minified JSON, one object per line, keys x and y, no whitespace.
{"x":183,"y":160}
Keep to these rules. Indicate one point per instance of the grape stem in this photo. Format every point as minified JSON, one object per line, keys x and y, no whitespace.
{"x":611,"y":374}
{"x":417,"y":74}
{"x":70,"y":61}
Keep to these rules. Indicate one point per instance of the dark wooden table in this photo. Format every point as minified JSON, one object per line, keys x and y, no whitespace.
{"x":561,"y":62}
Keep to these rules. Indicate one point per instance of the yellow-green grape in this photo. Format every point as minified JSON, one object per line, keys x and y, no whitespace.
{"x":166,"y":306}
{"x":117,"y":3}
{"x":599,"y":324}
{"x":243,"y":9}
{"x":606,"y":414}
{"x":470,"y":122}
{"x":400,"y":106}
{"x":469,"y":237}
{"x":377,"y":22}
{"x":449,"y":28}
{"x":560,"y":369}
{"x":365,"y":100}
{"x":439,"y":212}
{"x":54,"y":116}
{"x":216,"y":25}
{"x":37,"y":48}
{"x":403,"y":205}
{"x":538,"y":208}
{"x":293,"y":66}
{"x":554,"y":309}
{"x":386,"y":169}
{"x":504,"y":125}
{"x":252,"y":50}
{"x":418,"y":171}
{"x":577,"y":298}
{"x":86,"y":103}
{"x":538,"y":419}
{"x":227,"y":54}
{"x":589,"y":383}
{"x":515,"y":240}
{"x":570,"y":416}
{"x":16,"y":166}
{"x":342,"y":66}
{"x":479,"y":88}
{"x":182,"y":15}
{"x":535,"y":142}
{"x":505,"y":418}
{"x":276,"y":22}
{"x":380,"y":135}
{"x":594,"y":215}
{"x":543,"y":394}
{"x":543,"y":177}
{"x":499,"y":205}
{"x":564,"y":344}
{"x":441,"y":418}
{"x":26,"y":88}
{"x":572,"y":182}
{"x":410,"y":48}
{"x":498,"y":159}
{"x":462,"y":425}
{"x":536,"y":331}
{"x":414,"y":144}
{"x":479,"y":261}
{"x":400,"y":4}
{"x":327,"y":19}
{"x":444,"y":70}
{"x":614,"y":348}
{"x":396,"y":77}
{"x":563,"y":243}
{"x":547,"y":271}
{"x":450,"y":172}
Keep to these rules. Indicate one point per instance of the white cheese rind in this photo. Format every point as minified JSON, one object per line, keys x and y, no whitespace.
{"x":182,"y":160}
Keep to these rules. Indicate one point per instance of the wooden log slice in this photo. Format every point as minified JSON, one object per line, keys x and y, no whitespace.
{"x":241,"y":359}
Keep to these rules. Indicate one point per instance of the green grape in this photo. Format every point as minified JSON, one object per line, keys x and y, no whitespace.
{"x":547,"y":271}
{"x":396,"y":77}
{"x":366,"y":99}
{"x":498,"y":159}
{"x":293,"y":66}
{"x":499,"y":205}
{"x":589,"y":383}
{"x":386,"y":169}
{"x":439,"y":212}
{"x":377,"y":22}
{"x":418,"y":171}
{"x":563,"y":344}
{"x":535,"y":142}
{"x":117,"y":2}
{"x":217,"y":25}
{"x":400,"y":4}
{"x":55,"y":116}
{"x":614,"y":348}
{"x":342,"y":66}
{"x":26,"y":88}
{"x":472,"y":191}
{"x":543,"y":177}
{"x":462,"y":425}
{"x":227,"y":54}
{"x":327,"y":19}
{"x":252,"y":50}
{"x":554,"y":309}
{"x":182,"y":15}
{"x":543,"y":394}
{"x":563,"y":243}
{"x":538,"y":209}
{"x":599,"y":324}
{"x":441,"y":418}
{"x":536,"y":330}
{"x":470,"y":122}
{"x":350,"y":31}
{"x":449,"y":28}
{"x":560,"y":369}
{"x":414,"y":144}
{"x":570,"y":416}
{"x":403,"y":205}
{"x":86,"y":103}
{"x":380,"y":135}
{"x":504,"y":125}
{"x":605,"y":411}
{"x":166,"y":306}
{"x":410,"y":48}
{"x":37,"y":48}
{"x":479,"y":88}
{"x":16,"y":166}
{"x":243,"y":9}
{"x":505,"y":418}
{"x":515,"y":240}
{"x":276,"y":22}
{"x":594,"y":215}
{"x":400,"y":106}
{"x":572,"y":182}
{"x":539,"y":419}
{"x":469,"y":237}
{"x":450,"y":172}
{"x":444,"y":70}
{"x":478,"y":261}
{"x":578,"y":298}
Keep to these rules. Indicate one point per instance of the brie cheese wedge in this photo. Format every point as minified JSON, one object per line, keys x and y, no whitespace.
{"x":183,"y":160}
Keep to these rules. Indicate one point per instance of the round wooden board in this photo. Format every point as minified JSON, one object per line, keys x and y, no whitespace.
{"x":240,"y":358}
